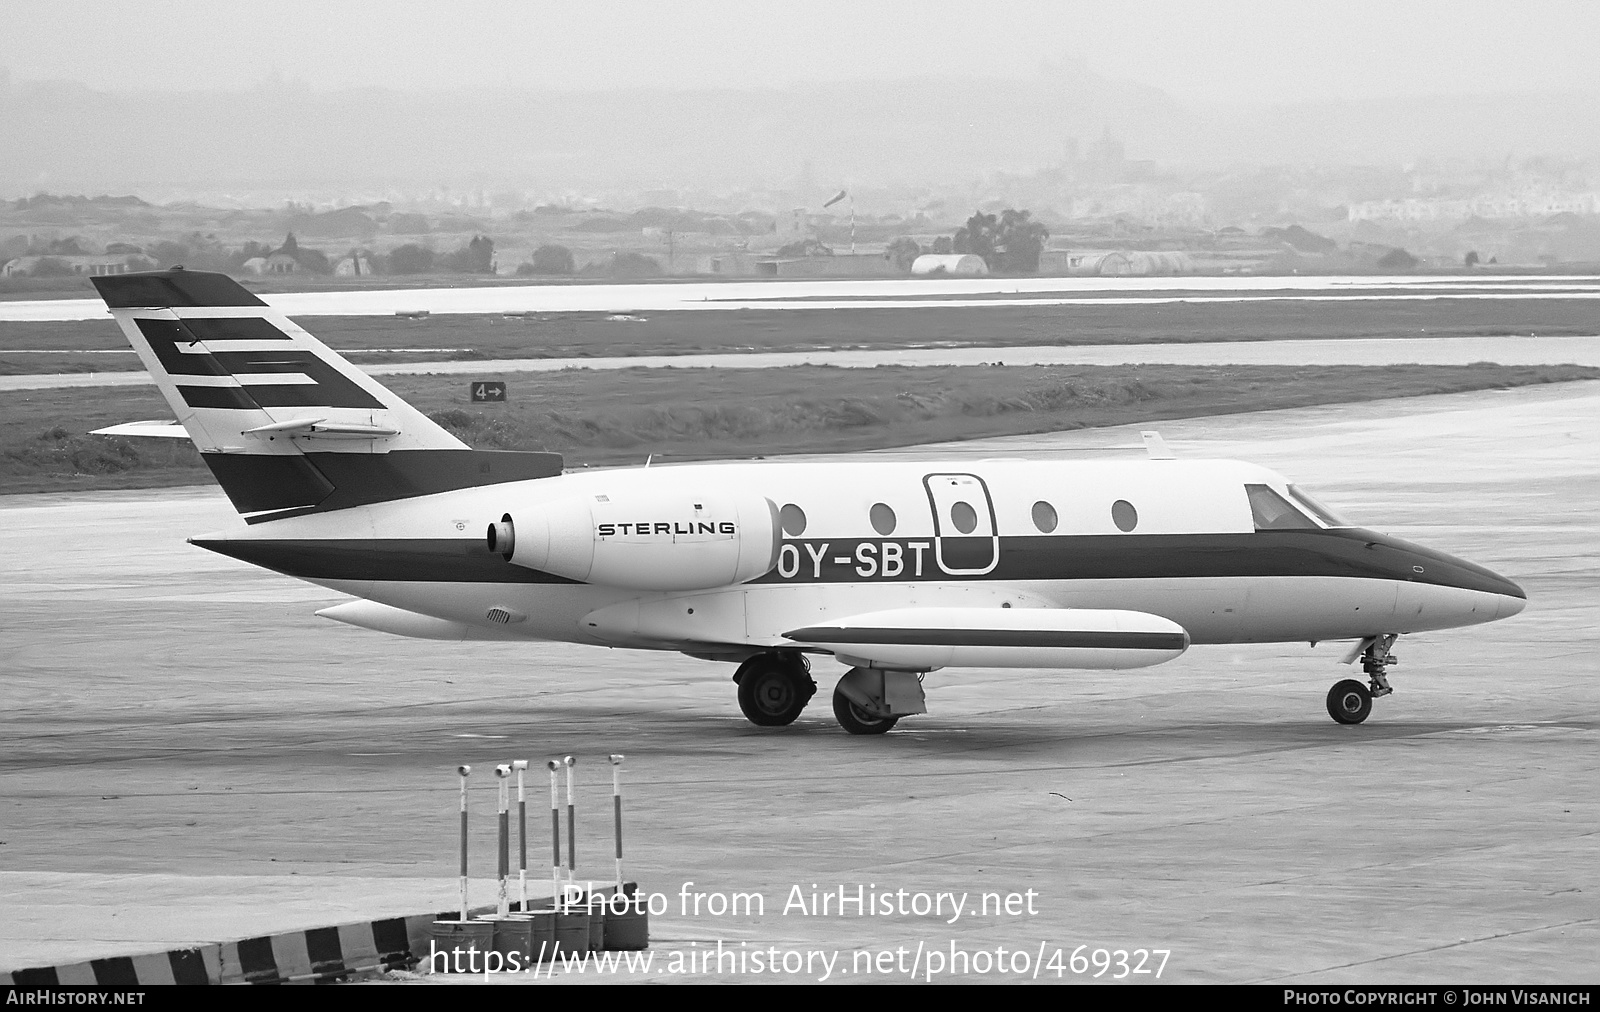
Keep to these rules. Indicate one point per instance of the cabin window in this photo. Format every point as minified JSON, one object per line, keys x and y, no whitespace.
{"x":1124,"y":515}
{"x":793,"y":519}
{"x":1044,"y":517}
{"x":1318,"y":509}
{"x":1272,"y":512}
{"x":964,"y":517}
{"x":883,"y":519}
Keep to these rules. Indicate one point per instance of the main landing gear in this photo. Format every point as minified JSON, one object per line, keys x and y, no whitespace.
{"x":856,"y":719}
{"x":1350,"y":702}
{"x":774,"y":688}
{"x":867,"y":701}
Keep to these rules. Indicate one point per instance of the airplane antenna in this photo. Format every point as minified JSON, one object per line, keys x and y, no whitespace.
{"x":1156,"y":446}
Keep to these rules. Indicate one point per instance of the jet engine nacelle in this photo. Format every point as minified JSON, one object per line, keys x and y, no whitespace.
{"x":669,"y":540}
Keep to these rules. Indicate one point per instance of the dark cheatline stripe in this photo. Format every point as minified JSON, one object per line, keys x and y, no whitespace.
{"x":991,"y":638}
{"x":441,"y":560}
{"x":967,"y":553}
{"x":1249,"y":555}
{"x":164,"y":289}
{"x":1346,"y":552}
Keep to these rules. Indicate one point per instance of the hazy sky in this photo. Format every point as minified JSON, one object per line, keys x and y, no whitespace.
{"x":1287,"y":50}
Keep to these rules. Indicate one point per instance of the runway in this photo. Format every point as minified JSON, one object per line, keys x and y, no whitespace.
{"x":899,"y":293}
{"x":1510,"y":350}
{"x":183,"y":737}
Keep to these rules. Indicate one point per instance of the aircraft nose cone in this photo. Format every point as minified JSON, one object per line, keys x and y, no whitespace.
{"x":1510,"y":606}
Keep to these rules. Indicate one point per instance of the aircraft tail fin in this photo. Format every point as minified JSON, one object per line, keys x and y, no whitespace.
{"x":286,"y":424}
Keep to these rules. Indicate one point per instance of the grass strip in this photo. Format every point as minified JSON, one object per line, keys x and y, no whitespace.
{"x":591,"y":335}
{"x":620,"y":417}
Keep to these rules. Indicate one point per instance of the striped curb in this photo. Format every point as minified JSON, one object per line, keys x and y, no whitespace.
{"x":318,"y":954}
{"x":290,"y":957}
{"x":201,"y":965}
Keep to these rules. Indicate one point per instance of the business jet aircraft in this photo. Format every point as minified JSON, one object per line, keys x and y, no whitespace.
{"x":893,"y":569}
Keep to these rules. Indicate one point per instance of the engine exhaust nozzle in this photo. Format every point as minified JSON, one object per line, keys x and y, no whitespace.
{"x":502,"y":537}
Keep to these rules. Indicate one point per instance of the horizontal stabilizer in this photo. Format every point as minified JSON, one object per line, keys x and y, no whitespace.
{"x":322,"y":427}
{"x":156,"y":428}
{"x":927,"y":638}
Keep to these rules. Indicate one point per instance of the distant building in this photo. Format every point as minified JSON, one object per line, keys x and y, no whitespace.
{"x":740,"y":264}
{"x":1150,"y":263}
{"x":794,"y":225}
{"x":281,"y":263}
{"x":86,"y":265}
{"x":1115,"y":263}
{"x":1082,"y":263}
{"x":355,"y":265}
{"x":292,"y":258}
{"x":962,"y":265}
{"x":840,"y":265}
{"x":1532,"y":205}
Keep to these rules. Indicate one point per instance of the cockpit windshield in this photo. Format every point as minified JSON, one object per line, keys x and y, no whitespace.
{"x":1272,"y":512}
{"x":1318,"y":509}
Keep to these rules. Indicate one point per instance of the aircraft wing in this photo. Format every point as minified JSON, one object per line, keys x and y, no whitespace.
{"x":927,"y":638}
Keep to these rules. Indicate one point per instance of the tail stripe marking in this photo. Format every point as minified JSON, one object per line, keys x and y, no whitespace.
{"x":249,"y":328}
{"x":217,"y":397}
{"x":286,"y":378}
{"x":274,"y":379}
{"x":165,"y":337}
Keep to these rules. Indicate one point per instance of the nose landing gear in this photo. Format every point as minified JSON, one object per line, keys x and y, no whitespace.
{"x":1350,"y":702}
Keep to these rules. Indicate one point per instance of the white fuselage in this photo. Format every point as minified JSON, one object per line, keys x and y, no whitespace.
{"x":1175,"y":539}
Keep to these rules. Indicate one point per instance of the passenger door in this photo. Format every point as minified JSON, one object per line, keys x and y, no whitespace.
{"x":964,"y":536}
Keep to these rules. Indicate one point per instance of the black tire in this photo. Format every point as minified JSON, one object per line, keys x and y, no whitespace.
{"x":772,"y":692}
{"x":1349,"y":702}
{"x":858,"y":721}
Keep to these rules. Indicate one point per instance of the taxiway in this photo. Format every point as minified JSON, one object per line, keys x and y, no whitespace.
{"x":188,"y":751}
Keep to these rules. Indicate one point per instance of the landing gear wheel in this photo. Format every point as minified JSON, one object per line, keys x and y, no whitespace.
{"x":773,"y":690}
{"x":1349,"y":702}
{"x":858,"y":721}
